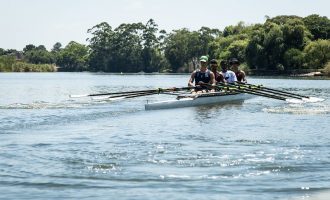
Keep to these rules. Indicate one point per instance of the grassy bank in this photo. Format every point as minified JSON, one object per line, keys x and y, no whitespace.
{"x":10,"y":64}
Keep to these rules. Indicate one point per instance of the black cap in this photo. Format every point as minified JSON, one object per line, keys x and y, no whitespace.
{"x":224,"y":63}
{"x":233,"y":61}
{"x":213,"y":61}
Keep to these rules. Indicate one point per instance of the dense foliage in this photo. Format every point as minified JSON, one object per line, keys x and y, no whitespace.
{"x":283,"y":44}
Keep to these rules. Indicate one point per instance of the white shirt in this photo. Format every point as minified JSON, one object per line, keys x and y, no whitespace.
{"x":229,"y":76}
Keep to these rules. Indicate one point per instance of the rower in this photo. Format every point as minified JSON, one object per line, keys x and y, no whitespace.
{"x":229,"y":76}
{"x":202,"y":77}
{"x":214,"y":68}
{"x":240,"y":74}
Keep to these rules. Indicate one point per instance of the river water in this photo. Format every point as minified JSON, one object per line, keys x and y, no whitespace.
{"x":56,"y":147}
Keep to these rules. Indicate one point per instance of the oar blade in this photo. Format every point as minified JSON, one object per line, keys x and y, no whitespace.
{"x":78,"y":95}
{"x":100,"y":97}
{"x":305,"y":100}
{"x":313,"y":99}
{"x":294,"y":101}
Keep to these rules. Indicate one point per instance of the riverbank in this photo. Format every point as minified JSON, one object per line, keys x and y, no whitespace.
{"x":310,"y":74}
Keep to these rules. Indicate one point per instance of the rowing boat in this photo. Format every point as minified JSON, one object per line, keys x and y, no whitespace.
{"x":199,"y":100}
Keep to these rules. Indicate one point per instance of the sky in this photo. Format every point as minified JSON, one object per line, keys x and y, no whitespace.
{"x":45,"y":22}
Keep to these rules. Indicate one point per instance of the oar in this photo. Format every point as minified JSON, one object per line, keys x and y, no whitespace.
{"x":266,"y":91}
{"x":231,"y":87}
{"x":274,"y":90}
{"x":113,"y":98}
{"x":159,"y":90}
{"x":288,"y":94}
{"x":122,"y":96}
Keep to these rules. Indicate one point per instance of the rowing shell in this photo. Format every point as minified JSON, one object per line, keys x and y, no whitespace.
{"x":199,"y":100}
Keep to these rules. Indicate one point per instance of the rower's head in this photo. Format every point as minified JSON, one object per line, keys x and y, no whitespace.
{"x":203,"y":61}
{"x":214,"y":64}
{"x":224,"y":65}
{"x":234,"y":63}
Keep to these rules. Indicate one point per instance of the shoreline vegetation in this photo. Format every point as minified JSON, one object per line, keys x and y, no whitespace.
{"x":282,"y":46}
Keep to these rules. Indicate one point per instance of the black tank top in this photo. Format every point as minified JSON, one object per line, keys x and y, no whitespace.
{"x":202,"y":76}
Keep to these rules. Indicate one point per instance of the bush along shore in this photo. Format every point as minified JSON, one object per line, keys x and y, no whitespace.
{"x":10,"y":64}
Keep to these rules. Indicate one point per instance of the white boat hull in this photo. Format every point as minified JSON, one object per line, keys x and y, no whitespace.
{"x":199,"y":101}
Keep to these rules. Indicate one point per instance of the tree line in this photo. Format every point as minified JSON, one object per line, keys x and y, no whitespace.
{"x":281,"y":45}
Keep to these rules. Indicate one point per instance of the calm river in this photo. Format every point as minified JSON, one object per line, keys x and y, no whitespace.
{"x":56,"y":147}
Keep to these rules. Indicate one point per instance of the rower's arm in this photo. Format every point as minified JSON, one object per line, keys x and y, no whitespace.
{"x":234,"y":78}
{"x":212,"y":76}
{"x":244,"y":77}
{"x":191,"y":80}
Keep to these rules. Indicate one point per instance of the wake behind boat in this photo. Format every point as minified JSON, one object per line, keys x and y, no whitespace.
{"x":199,"y":100}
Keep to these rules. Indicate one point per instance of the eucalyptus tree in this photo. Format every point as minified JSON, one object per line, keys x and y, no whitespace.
{"x":177,"y":49}
{"x":206,"y":38}
{"x":100,"y":47}
{"x":151,"y":54}
{"x":126,"y":48}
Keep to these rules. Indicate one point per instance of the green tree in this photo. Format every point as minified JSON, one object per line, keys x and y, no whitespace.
{"x":293,"y":60}
{"x":29,"y":47}
{"x":233,"y":30}
{"x":127,"y":48}
{"x":282,"y":19}
{"x":237,"y":50}
{"x":2,"y":51}
{"x":182,"y":47}
{"x":318,"y":26}
{"x":295,"y":34}
{"x":255,"y":52}
{"x":100,"y":47}
{"x":176,"y":48}
{"x":317,"y":53}
{"x":151,"y":55}
{"x":206,"y":38}
{"x":39,"y":55}
{"x":74,"y":57}
{"x":57,"y":47}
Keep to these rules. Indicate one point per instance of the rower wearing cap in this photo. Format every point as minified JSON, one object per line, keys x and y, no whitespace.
{"x":240,"y":74}
{"x":202,"y":77}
